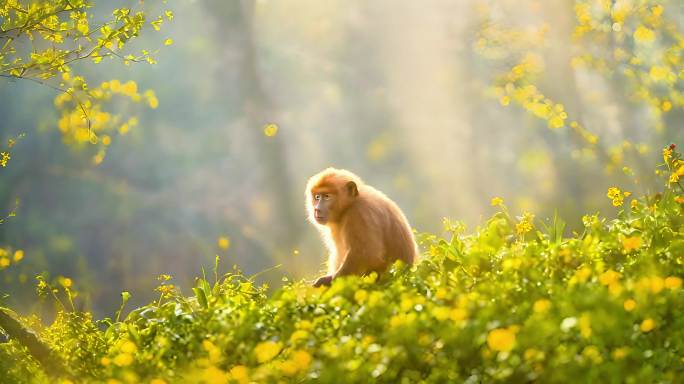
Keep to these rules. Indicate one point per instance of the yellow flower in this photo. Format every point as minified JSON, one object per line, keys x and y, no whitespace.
{"x":157,"y":381}
{"x":501,"y":339}
{"x":4,"y":262}
{"x":673,"y":178}
{"x":302,"y":359}
{"x":617,"y":196}
{"x":615,"y":288}
{"x":629,"y":305}
{"x":647,"y":325}
{"x":612,"y":192}
{"x":152,"y":100}
{"x":123,"y":359}
{"x":65,"y":282}
{"x":240,"y":374}
{"x":656,"y":284}
{"x":585,"y":325}
{"x":644,"y":35}
{"x":541,"y":306}
{"x":214,"y":375}
{"x":304,"y":324}
{"x":4,"y":158}
{"x":129,"y":88}
{"x":458,"y":314}
{"x":525,"y":225}
{"x":223,"y":242}
{"x":658,"y":73}
{"x":287,"y":368}
{"x":164,"y":277}
{"x":496,"y":201}
{"x":298,"y":335}
{"x":679,"y":199}
{"x":165,"y":289}
{"x":673,"y":282}
{"x":267,"y":350}
{"x":581,"y":275}
{"x":667,"y":154}
{"x":592,"y":353}
{"x":634,"y":204}
{"x":441,"y":313}
{"x":270,"y":130}
{"x":631,"y":243}
{"x":609,"y":277}
{"x":620,"y":353}
{"x":128,"y":346}
{"x":18,"y":255}
{"x":213,"y":351}
{"x":360,"y":296}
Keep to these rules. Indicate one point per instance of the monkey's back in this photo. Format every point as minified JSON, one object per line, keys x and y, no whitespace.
{"x":397,"y":236}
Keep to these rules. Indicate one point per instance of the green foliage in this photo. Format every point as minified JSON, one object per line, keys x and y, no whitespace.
{"x":42,"y":41}
{"x":508,"y":303}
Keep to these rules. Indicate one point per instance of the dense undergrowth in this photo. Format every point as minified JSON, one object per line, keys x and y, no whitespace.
{"x":510,"y":302}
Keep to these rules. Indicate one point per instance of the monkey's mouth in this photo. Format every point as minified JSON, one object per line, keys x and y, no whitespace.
{"x":320,"y":219}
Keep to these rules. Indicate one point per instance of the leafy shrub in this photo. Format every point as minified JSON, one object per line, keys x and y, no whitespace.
{"x":509,"y":302}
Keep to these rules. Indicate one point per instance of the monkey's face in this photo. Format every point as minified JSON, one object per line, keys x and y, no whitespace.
{"x":324,"y":204}
{"x":329,"y":204}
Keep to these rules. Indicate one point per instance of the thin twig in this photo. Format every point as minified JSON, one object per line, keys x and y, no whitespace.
{"x":70,"y":93}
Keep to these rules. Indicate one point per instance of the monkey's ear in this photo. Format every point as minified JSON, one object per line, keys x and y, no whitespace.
{"x":352,"y":189}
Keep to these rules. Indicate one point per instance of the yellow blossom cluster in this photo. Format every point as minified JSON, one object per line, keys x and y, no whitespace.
{"x":83,"y":119}
{"x":611,"y":279}
{"x":580,"y":276}
{"x":165,"y":289}
{"x":631,"y":243}
{"x":7,"y":257}
{"x":541,"y":306}
{"x":617,"y":196}
{"x":299,"y":361}
{"x":525,"y":223}
{"x":502,"y":339}
{"x":496,"y":201}
{"x":267,"y":350}
{"x":647,"y":50}
{"x":4,"y":158}
{"x":124,"y":351}
{"x":531,"y":99}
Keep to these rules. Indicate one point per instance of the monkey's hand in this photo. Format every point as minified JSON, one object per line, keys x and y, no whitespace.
{"x":323,"y":280}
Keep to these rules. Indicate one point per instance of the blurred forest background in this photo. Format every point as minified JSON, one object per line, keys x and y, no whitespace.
{"x":443,"y":105}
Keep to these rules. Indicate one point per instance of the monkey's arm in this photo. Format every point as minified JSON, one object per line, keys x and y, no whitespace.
{"x":361,"y":260}
{"x":344,"y":269}
{"x":355,"y":263}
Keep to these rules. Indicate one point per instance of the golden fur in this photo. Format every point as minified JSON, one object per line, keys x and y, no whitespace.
{"x":363,"y":229}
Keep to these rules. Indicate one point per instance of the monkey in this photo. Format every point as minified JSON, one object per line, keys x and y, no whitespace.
{"x":363,"y":229}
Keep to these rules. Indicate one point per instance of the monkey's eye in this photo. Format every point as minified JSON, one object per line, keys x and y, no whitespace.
{"x":317,"y":197}
{"x":326,"y":197}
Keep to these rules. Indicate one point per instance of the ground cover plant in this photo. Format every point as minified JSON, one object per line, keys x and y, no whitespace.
{"x":515,"y":300}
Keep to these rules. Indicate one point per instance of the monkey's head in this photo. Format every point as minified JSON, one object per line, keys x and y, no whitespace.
{"x":329,"y":193}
